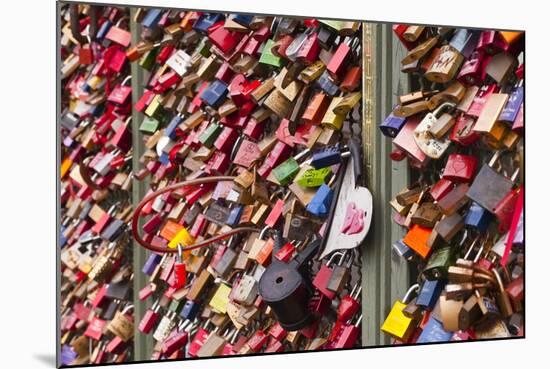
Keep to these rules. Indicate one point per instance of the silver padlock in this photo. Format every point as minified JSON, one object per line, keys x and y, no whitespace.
{"x":166,"y":325}
{"x":430,"y":145}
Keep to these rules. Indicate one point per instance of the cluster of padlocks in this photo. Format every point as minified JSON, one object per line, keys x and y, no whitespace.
{"x":96,"y":318}
{"x":247,"y":125}
{"x":251,"y":152}
{"x":461,"y":131}
{"x":249,"y":147}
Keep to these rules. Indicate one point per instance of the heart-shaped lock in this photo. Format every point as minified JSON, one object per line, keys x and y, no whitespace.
{"x":339,"y":236}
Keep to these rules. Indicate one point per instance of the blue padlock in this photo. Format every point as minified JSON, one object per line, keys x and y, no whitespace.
{"x":243,"y":19}
{"x":327,"y":85}
{"x":478,"y":218}
{"x":151,"y":264}
{"x":102,"y":31}
{"x":518,"y":238}
{"x":97,"y":110}
{"x":391,"y":126}
{"x":465,"y":41}
{"x":433,"y":332}
{"x":68,"y":355}
{"x":62,"y":238}
{"x":214,"y":94}
{"x":164,"y":158}
{"x":190,"y":310}
{"x":234,"y":216}
{"x":403,"y":250}
{"x":320,"y":204}
{"x":206,"y":21}
{"x":511,"y":110}
{"x":326,"y":157}
{"x":429,"y":293}
{"x":170,"y":129}
{"x":152,"y":18}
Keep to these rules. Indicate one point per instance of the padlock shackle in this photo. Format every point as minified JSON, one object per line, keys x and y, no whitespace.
{"x":410,"y":291}
{"x":442,"y":107}
{"x":137,"y":211}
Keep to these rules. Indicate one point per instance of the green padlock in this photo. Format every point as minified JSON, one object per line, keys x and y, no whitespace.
{"x":286,"y":171}
{"x":149,"y":125}
{"x":438,"y":263}
{"x":203,"y":48}
{"x":314,"y":177}
{"x":210,"y":134}
{"x":176,"y":306}
{"x":267,"y":56}
{"x":147,"y":61}
{"x":337,"y":25}
{"x":154,"y":109}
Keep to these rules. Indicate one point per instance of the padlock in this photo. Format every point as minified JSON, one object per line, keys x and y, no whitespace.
{"x":439,"y":262}
{"x":348,"y":335}
{"x":430,"y":145}
{"x":340,"y":274}
{"x":460,"y":168}
{"x":122,"y":324}
{"x":445,"y":65}
{"x":150,"y":319}
{"x":434,"y":332}
{"x":489,"y":187}
{"x":324,"y":275}
{"x":391,"y":126}
{"x":340,"y":58}
{"x":429,"y":292}
{"x":349,"y":305}
{"x":397,"y":324}
{"x":465,"y":41}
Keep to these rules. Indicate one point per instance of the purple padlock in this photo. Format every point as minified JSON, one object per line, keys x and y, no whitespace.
{"x":151,"y":264}
{"x":67,"y":355}
{"x":510,"y":111}
{"x":391,"y":126}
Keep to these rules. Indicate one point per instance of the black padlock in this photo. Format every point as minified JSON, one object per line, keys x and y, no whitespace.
{"x":286,"y":288}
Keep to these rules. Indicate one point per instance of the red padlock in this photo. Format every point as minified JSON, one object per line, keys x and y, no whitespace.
{"x":491,"y":42}
{"x":323,"y":276}
{"x":348,"y":335}
{"x":349,"y":305}
{"x":198,"y":340}
{"x":441,"y":188}
{"x":473,"y":70}
{"x":504,"y":210}
{"x":463,"y":131}
{"x":460,"y":168}
{"x":309,"y":51}
{"x":257,"y":341}
{"x":177,"y":340}
{"x":180,"y":270}
{"x":224,"y":39}
{"x":277,"y":332}
{"x":336,"y":65}
{"x":274,"y":217}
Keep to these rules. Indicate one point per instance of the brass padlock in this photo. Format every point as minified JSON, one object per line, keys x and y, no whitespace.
{"x":445,"y":65}
{"x":122,"y":325}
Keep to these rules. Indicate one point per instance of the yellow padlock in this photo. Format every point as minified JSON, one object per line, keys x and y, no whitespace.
{"x":397,"y":324}
{"x":182,"y":238}
{"x":347,"y":103}
{"x":220,"y":299}
{"x":65,"y":166}
{"x":331,"y":119}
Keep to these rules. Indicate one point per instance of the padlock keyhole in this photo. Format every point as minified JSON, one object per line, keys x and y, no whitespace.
{"x":279,"y":280}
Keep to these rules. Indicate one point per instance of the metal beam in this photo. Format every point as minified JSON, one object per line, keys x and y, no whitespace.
{"x":384,"y":276}
{"x":143,"y":344}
